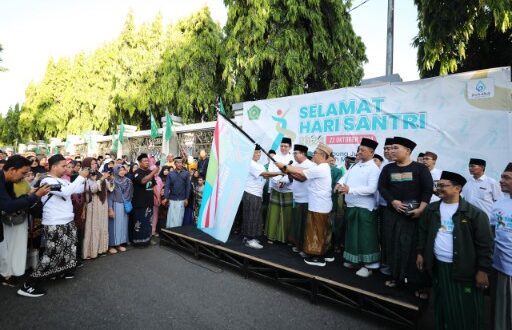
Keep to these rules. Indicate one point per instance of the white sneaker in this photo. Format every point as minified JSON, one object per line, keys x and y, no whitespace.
{"x":364,"y":272}
{"x":348,"y":265}
{"x":253,"y":244}
{"x":294,"y":249}
{"x":302,"y":254}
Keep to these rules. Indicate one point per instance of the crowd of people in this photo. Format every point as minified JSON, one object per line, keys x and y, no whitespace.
{"x":431,"y":230}
{"x":426,"y":229}
{"x":58,"y":211}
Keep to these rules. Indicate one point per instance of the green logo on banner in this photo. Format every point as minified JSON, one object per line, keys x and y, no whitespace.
{"x":254,"y":113}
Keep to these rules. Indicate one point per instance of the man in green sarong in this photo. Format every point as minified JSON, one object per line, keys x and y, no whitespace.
{"x":455,"y":248}
{"x":359,"y":186}
{"x":279,"y":214}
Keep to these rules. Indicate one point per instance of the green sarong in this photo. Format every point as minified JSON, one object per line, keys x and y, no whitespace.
{"x":279,"y":216}
{"x":296,"y":236}
{"x":361,"y":240}
{"x":458,"y":305}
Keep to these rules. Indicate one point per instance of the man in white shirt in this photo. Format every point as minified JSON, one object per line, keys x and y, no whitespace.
{"x":252,"y":201}
{"x":300,"y":199}
{"x":59,"y":230}
{"x":481,"y":190}
{"x":279,"y":214}
{"x":501,"y":221}
{"x":317,"y":234}
{"x":359,"y":185}
{"x":430,"y":159}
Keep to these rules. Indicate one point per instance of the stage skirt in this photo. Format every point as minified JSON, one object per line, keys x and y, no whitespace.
{"x":279,"y":216}
{"x":361,"y":240}
{"x":142,"y":225}
{"x":59,"y":255}
{"x":458,"y":305}
{"x":296,"y":236}
{"x":317,"y":236}
{"x":252,"y":222}
{"x":118,"y":226}
{"x":175,"y":214}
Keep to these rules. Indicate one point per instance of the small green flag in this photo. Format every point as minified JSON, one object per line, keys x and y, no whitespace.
{"x":38,"y":150}
{"x":48,"y":150}
{"x":114,"y":143}
{"x":121,"y":132}
{"x":221,"y":106}
{"x":154,"y":128}
{"x":168,"y":126}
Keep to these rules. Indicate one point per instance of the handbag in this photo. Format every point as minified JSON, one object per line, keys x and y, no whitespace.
{"x":128,"y":207}
{"x":13,"y":219}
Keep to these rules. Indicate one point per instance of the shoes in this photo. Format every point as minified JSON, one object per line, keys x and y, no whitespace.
{"x":302,"y":254}
{"x":30,"y":291}
{"x":329,"y":258}
{"x":121,"y":249}
{"x":348,"y":265}
{"x":270,"y":242}
{"x":12,"y":281}
{"x":68,"y":276}
{"x":315,"y":262}
{"x":79,"y":264}
{"x":253,"y":244}
{"x":112,"y":251}
{"x":364,"y":272}
{"x":294,"y":249}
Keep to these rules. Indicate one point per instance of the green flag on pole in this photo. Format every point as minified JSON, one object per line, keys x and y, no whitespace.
{"x":121,"y":132}
{"x":221,"y":106}
{"x":168,"y":126}
{"x":154,"y":128}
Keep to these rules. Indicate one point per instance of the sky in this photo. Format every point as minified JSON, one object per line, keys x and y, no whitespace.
{"x":32,"y":31}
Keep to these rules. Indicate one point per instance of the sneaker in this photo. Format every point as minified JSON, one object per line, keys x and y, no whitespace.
{"x":253,"y":244}
{"x":386,"y":270}
{"x":364,"y":272}
{"x":79,"y":264}
{"x":30,"y":291}
{"x":12,"y":281}
{"x":68,"y":276}
{"x":315,"y":262}
{"x":294,"y":249}
{"x":329,"y":258}
{"x":348,"y":265}
{"x":302,"y":254}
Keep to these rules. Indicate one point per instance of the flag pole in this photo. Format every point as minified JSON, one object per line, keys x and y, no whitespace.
{"x":246,"y":135}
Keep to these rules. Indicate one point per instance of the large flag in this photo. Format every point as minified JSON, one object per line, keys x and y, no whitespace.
{"x":154,"y":128}
{"x":228,"y":169}
{"x":168,"y":126}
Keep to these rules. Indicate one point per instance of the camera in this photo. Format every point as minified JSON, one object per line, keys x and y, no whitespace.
{"x":55,"y":187}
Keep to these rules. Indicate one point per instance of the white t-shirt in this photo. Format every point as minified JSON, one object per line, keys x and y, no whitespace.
{"x":436,"y":176}
{"x":443,"y":245}
{"x":255,"y":182}
{"x":319,"y":188}
{"x":275,"y":181}
{"x":501,"y":218}
{"x":482,"y":193}
{"x":300,"y":189}
{"x":362,"y":180}
{"x":59,"y":209}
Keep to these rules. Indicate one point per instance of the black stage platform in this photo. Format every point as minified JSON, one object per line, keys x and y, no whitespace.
{"x":277,"y":262}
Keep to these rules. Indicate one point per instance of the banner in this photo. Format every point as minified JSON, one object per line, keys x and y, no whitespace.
{"x":228,"y":168}
{"x":458,"y":117}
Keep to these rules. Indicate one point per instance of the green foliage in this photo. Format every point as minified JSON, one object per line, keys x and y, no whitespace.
{"x":278,"y":48}
{"x":9,"y":134}
{"x":268,"y":49}
{"x":461,"y":35}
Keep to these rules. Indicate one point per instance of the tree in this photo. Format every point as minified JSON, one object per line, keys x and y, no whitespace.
{"x":9,"y":133}
{"x":1,"y":68}
{"x":462,"y":35}
{"x":278,"y":48}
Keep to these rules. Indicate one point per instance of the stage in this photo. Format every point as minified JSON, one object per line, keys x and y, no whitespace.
{"x":279,"y":264}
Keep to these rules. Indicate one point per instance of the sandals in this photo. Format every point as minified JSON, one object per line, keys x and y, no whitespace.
{"x":390,"y":284}
{"x":112,"y":251}
{"x":121,"y":249}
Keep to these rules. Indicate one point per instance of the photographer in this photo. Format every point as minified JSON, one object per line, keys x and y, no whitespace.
{"x":59,"y":257}
{"x":15,"y":170}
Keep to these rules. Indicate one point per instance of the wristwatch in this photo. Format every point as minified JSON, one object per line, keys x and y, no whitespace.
{"x":284,"y":168}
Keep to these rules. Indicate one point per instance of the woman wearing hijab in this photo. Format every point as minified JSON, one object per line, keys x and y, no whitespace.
{"x":96,"y":211}
{"x":157,"y":191}
{"x":162,"y":210}
{"x":131,"y":174}
{"x":118,"y":223}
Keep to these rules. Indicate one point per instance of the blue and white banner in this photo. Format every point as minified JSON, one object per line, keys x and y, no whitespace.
{"x":458,"y":117}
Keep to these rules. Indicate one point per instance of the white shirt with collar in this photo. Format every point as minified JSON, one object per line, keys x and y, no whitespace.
{"x":275,"y":181}
{"x":255,"y":182}
{"x":319,"y":188}
{"x":482,"y":193}
{"x":300,"y":189}
{"x":362,"y":180}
